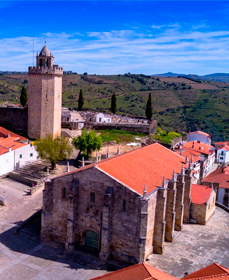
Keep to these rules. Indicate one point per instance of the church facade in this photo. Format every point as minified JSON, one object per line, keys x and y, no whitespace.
{"x":124,"y":207}
{"x":44,"y":97}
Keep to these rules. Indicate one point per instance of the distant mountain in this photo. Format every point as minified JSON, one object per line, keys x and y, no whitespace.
{"x":220,"y":77}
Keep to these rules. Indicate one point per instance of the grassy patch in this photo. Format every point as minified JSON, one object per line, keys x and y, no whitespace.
{"x":164,"y":136}
{"x":120,"y":136}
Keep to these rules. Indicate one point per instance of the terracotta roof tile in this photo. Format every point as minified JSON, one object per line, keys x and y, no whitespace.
{"x":199,"y":132}
{"x":139,"y":271}
{"x":5,"y":132}
{"x":210,"y":270}
{"x":145,"y":166}
{"x":213,"y":277}
{"x":218,"y":176}
{"x":199,"y":147}
{"x":200,"y":193}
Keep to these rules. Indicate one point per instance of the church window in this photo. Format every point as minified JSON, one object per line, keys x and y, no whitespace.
{"x":41,"y":62}
{"x":92,"y":197}
{"x":124,"y":205}
{"x":64,"y":193}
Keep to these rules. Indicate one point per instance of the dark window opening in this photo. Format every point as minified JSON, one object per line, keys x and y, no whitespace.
{"x":64,"y":193}
{"x":124,"y":205}
{"x":92,"y":197}
{"x":41,"y":62}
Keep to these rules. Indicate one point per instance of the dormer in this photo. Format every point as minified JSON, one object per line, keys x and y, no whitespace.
{"x":44,"y":59}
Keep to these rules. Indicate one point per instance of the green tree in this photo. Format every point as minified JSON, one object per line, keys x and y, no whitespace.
{"x":87,"y":142}
{"x":148,"y":110}
{"x":80,"y":101}
{"x":23,"y":97}
{"x":53,"y":150}
{"x":113,"y":103}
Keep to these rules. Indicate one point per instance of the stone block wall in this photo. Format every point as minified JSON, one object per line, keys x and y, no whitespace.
{"x":14,"y":118}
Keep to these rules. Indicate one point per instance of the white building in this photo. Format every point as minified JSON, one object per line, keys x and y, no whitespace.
{"x":101,"y":118}
{"x":199,"y":136}
{"x":223,"y":154}
{"x":15,"y":151}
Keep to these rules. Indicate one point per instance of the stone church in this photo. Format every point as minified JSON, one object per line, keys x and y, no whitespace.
{"x":124,"y":207}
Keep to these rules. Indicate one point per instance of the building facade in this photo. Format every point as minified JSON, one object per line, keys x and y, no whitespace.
{"x":44,"y":97}
{"x":123,"y":207}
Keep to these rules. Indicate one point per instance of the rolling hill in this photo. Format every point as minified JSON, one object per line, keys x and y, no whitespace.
{"x":179,"y":103}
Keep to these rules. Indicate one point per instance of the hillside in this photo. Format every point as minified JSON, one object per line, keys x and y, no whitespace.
{"x":180,"y":104}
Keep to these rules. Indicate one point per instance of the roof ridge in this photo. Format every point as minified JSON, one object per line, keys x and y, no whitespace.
{"x":209,"y":276}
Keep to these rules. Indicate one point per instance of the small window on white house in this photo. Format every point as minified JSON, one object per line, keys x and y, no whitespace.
{"x":221,"y":157}
{"x":20,"y":156}
{"x":31,"y":154}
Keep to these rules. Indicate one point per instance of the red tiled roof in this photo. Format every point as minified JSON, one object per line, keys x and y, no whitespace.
{"x":5,"y":132}
{"x":199,"y":132}
{"x":189,"y":153}
{"x":200,"y":194}
{"x":199,"y":147}
{"x":221,"y":143}
{"x":218,"y":176}
{"x":145,"y":166}
{"x":213,"y":277}
{"x":139,"y":271}
{"x":210,"y":270}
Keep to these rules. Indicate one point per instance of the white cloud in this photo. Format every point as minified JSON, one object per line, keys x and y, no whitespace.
{"x":119,"y":51}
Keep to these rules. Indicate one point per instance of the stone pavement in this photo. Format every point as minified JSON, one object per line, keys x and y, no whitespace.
{"x":196,"y":246}
{"x":22,"y":256}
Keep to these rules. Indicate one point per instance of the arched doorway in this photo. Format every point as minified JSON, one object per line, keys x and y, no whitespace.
{"x":92,"y":240}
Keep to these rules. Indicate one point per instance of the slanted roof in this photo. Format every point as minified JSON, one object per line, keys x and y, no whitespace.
{"x":5,"y":133}
{"x":139,"y":271}
{"x":200,"y":194}
{"x":192,"y":155}
{"x":145,"y":166}
{"x":225,"y":147}
{"x":45,"y":51}
{"x":199,"y":132}
{"x":210,"y":270}
{"x":220,"y":176}
{"x":199,"y":147}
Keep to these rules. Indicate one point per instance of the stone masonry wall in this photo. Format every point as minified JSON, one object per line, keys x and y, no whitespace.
{"x":121,"y":236}
{"x":14,"y":118}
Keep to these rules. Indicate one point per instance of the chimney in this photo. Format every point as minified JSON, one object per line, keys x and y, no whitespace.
{"x":8,"y":135}
{"x":10,"y":149}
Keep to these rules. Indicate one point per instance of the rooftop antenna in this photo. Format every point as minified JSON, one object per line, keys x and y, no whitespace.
{"x":33,"y":50}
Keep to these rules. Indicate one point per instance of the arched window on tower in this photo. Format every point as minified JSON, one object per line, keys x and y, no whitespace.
{"x":92,"y":197}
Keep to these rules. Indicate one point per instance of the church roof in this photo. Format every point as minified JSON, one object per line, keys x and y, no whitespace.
{"x":200,"y":193}
{"x":145,"y":166}
{"x":139,"y":271}
{"x":212,"y":271}
{"x":45,"y":51}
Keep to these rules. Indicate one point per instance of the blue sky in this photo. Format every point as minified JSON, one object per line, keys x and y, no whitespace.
{"x":112,"y":37}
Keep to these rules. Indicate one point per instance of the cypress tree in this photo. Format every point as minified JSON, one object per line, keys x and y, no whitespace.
{"x":80,"y":101}
{"x":23,"y":97}
{"x":148,"y":111}
{"x":113,"y":103}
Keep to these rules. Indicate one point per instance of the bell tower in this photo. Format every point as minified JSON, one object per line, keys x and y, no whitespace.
{"x":44,"y":97}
